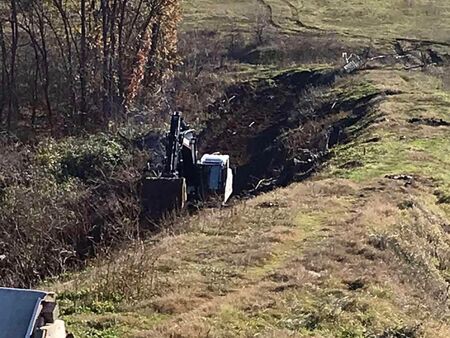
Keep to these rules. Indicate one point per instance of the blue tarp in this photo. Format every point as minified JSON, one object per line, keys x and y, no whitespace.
{"x":18,"y":311}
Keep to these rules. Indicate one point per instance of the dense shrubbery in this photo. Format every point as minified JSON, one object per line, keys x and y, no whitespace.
{"x":95,"y":156}
{"x":59,"y":200}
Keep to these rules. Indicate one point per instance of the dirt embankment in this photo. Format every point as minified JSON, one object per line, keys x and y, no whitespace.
{"x":277,"y":130}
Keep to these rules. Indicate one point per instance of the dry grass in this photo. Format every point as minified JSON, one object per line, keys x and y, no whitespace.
{"x":357,"y":256}
{"x":381,"y":19}
{"x":296,"y":267}
{"x":348,"y":253}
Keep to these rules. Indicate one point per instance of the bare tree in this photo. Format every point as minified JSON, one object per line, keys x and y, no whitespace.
{"x":87,"y":58}
{"x":13,"y":104}
{"x":4,"y":73}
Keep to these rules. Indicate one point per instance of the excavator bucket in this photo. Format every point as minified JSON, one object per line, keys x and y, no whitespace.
{"x":162,"y":195}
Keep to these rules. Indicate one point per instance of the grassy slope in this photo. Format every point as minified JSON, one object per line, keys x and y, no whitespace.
{"x":348,"y":253}
{"x":420,"y":19}
{"x":291,"y":268}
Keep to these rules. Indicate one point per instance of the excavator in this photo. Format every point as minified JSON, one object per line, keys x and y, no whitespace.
{"x":186,"y":177}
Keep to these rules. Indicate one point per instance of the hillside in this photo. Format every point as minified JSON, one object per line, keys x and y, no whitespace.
{"x":360,"y":248}
{"x":378,"y":20}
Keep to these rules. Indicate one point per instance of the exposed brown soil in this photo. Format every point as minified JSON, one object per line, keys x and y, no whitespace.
{"x":277,"y":130}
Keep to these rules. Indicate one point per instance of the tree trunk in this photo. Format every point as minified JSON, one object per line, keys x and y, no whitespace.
{"x":141,"y":58}
{"x":4,"y":72}
{"x":106,"y":61}
{"x":67,"y":31}
{"x":120,"y":56}
{"x":35,"y":98}
{"x":132,"y":26}
{"x":45,"y":65}
{"x":83,"y":58}
{"x":152,"y":54}
{"x":112,"y":64}
{"x":13,"y":104}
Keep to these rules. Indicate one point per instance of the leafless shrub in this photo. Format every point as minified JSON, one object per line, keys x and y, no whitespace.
{"x":260,"y":24}
{"x":198,"y":82}
{"x":313,"y":133}
{"x":442,"y":74}
{"x":409,"y":3}
{"x":48,"y":226}
{"x":133,"y":274}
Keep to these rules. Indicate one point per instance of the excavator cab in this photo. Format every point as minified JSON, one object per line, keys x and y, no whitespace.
{"x":216,"y":175}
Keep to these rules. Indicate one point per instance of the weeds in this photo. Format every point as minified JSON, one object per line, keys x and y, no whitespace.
{"x":87,"y":301}
{"x":59,"y":202}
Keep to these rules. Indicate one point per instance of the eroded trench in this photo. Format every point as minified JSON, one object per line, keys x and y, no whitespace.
{"x":278,"y":130}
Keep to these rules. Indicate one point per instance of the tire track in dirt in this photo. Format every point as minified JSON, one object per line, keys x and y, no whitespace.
{"x":253,"y":285}
{"x":270,"y":14}
{"x":295,"y":13}
{"x":424,"y":42}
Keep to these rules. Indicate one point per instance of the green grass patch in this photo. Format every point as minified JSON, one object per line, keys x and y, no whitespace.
{"x":308,"y":221}
{"x":94,"y":328}
{"x":355,"y":91}
{"x":87,"y":301}
{"x":424,"y":156}
{"x":233,"y":322}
